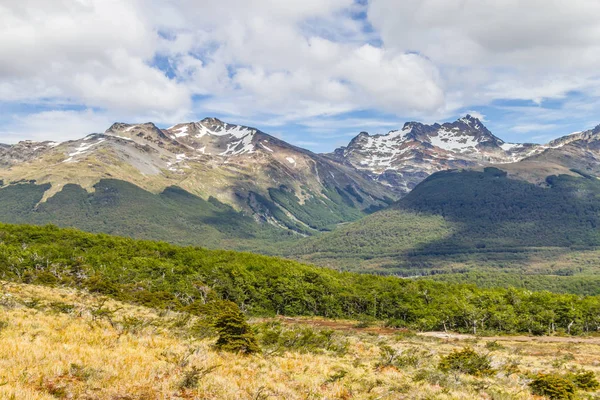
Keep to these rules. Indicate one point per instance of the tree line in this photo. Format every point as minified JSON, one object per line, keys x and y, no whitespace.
{"x":162,"y":275}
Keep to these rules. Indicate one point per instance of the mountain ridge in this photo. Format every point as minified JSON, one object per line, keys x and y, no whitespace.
{"x":403,"y":158}
{"x":255,"y":173}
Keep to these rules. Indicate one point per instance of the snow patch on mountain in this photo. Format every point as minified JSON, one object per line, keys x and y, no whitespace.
{"x":82,"y":149}
{"x":450,"y":141}
{"x":510,"y":146}
{"x":263,"y":145}
{"x":181,"y":132}
{"x":239,"y":147}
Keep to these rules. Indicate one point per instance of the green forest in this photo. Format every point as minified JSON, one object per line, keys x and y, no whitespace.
{"x":162,"y":275}
{"x":460,"y":225}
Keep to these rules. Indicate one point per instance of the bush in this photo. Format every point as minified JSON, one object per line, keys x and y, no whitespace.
{"x":553,"y":386}
{"x":275,"y":338}
{"x":585,"y":380}
{"x":412,"y":357}
{"x":494,"y":345}
{"x":235,"y":334}
{"x":466,"y":361}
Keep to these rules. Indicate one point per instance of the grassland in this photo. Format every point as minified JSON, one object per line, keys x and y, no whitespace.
{"x":62,"y":343}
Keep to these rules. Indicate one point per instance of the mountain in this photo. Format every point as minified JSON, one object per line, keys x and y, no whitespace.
{"x":403,"y":158}
{"x":137,"y":168}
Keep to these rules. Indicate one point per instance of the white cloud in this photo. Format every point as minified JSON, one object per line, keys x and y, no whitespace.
{"x":298,"y":58}
{"x":54,"y":125}
{"x":93,"y":52}
{"x":292,"y":61}
{"x":514,"y":49}
{"x":532,"y":128}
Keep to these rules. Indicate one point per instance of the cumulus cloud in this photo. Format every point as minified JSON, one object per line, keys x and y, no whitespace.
{"x":94,"y":52}
{"x":291,"y":61}
{"x":522,"y":49}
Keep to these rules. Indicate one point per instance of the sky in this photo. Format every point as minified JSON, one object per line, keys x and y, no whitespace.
{"x":313,"y":72}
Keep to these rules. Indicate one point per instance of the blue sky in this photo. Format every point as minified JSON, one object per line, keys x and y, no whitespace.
{"x":312,"y":72}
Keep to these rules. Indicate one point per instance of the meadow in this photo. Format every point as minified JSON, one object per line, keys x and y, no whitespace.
{"x":60,"y":343}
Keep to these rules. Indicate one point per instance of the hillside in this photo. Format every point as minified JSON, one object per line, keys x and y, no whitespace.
{"x":64,"y":343}
{"x":121,"y":208}
{"x":468,"y":220}
{"x":197,"y":280}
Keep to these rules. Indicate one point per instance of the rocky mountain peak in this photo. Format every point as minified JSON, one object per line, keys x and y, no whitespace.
{"x":402,"y":158}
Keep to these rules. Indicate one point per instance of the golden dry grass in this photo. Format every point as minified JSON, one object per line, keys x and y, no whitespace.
{"x":60,"y":343}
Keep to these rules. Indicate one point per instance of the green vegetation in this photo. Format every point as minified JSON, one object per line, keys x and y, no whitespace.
{"x":320,"y":213}
{"x":193,"y":279}
{"x":121,"y":208}
{"x":553,"y":386}
{"x":477,"y":227}
{"x":235,"y":334}
{"x":584,"y":284}
{"x":466,"y":361}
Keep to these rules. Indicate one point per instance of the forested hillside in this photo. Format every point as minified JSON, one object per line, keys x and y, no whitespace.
{"x":121,"y":208}
{"x":462,"y":220}
{"x":188,"y":278}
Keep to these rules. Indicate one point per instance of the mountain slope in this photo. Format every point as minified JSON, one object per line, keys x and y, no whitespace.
{"x":121,"y":208}
{"x":461,"y":220}
{"x":255,"y":173}
{"x":574,"y":154}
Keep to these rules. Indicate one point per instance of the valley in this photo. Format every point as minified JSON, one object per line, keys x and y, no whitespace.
{"x":446,"y":202}
{"x":97,"y":316}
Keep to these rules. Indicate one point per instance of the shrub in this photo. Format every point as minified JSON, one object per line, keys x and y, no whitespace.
{"x":194,"y":375}
{"x":235,"y":334}
{"x":276,"y":338}
{"x":493,"y":345}
{"x":411,"y":357}
{"x":553,"y":386}
{"x":431,"y":376}
{"x":585,"y":380}
{"x":466,"y":361}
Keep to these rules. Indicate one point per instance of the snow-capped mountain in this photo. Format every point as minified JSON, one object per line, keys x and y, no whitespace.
{"x":403,"y":158}
{"x":241,"y":166}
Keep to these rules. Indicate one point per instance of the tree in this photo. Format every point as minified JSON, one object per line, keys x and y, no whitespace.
{"x":235,"y":334}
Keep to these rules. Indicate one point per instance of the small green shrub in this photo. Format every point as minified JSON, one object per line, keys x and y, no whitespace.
{"x":552,"y":386}
{"x":45,"y":278}
{"x":61,"y":307}
{"x":494,"y":345}
{"x":431,"y":376}
{"x":235,"y":334}
{"x":584,"y":380}
{"x":466,"y":361}
{"x":276,"y":338}
{"x":412,"y":357}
